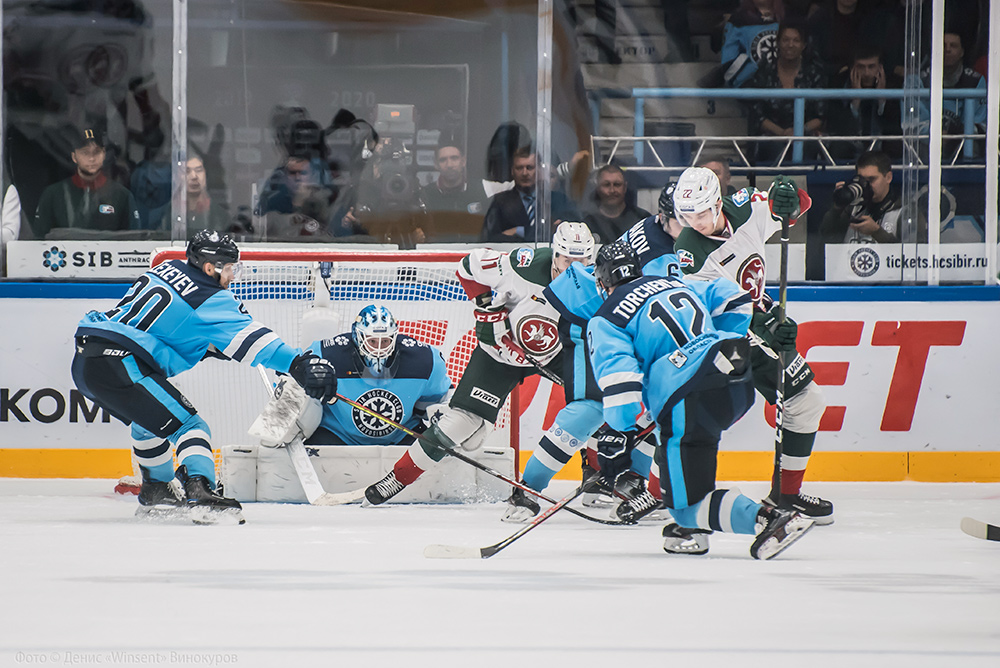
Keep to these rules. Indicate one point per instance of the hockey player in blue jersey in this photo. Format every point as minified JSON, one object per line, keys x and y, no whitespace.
{"x":172,"y":317}
{"x":681,"y":349}
{"x":390,"y":373}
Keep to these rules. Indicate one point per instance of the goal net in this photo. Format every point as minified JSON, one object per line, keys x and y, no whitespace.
{"x":309,"y":294}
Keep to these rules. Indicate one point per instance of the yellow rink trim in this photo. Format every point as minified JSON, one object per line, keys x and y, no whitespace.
{"x":823,"y":466}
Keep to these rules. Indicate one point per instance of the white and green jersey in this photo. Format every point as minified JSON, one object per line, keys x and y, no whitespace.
{"x":739,"y":253}
{"x":517,"y":280}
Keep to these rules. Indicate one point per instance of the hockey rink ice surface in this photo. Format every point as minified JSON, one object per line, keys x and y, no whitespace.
{"x":893,"y":582}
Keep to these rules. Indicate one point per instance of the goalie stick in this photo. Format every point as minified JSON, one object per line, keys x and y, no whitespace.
{"x":978,"y":529}
{"x":305,"y":472}
{"x":461,"y":552}
{"x":486,"y":469}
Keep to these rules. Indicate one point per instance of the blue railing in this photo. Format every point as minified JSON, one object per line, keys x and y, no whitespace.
{"x":799,"y":95}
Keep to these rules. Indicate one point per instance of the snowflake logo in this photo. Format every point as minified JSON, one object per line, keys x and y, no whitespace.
{"x":864,"y":262}
{"x":54,"y":258}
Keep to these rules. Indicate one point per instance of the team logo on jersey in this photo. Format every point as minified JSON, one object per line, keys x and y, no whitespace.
{"x":524,"y":256}
{"x":537,"y":334}
{"x":485,"y":397}
{"x":741,"y":197}
{"x":677,"y":358}
{"x":686,"y":258}
{"x":341,"y":340}
{"x":383,"y":402}
{"x":864,"y":262}
{"x":751,"y":276}
{"x":106,"y":208}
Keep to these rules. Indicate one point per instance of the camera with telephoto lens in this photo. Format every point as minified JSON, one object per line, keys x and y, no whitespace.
{"x":855,"y":196}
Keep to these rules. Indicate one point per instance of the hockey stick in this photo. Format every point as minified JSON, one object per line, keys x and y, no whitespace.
{"x":978,"y":529}
{"x":483,"y":467}
{"x":779,"y":400}
{"x":461,"y":552}
{"x":305,"y":472}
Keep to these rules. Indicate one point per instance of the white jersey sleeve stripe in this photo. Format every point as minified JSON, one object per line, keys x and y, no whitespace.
{"x":610,"y":401}
{"x":259,"y":345}
{"x":237,"y":348}
{"x":618,"y":378}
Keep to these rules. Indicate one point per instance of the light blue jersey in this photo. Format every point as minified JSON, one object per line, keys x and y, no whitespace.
{"x":174,"y":312}
{"x":416,"y":378}
{"x":650,"y":336}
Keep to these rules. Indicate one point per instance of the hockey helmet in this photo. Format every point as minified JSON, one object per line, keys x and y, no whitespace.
{"x":616,"y":264}
{"x":575,"y":241}
{"x":697,"y":190}
{"x":212,"y":246}
{"x":374,"y":333}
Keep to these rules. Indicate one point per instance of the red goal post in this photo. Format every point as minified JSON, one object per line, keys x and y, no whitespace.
{"x":283,"y":288}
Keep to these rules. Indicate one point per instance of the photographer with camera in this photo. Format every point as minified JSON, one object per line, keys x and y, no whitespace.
{"x":867,"y":208}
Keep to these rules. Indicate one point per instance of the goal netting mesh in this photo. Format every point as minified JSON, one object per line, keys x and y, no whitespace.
{"x":309,"y":294}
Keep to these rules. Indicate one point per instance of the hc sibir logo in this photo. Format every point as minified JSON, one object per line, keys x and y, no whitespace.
{"x":864,"y":262}
{"x":54,"y":258}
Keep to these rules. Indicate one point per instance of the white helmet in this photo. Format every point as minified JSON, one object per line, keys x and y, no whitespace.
{"x":574,"y":241}
{"x":697,"y":190}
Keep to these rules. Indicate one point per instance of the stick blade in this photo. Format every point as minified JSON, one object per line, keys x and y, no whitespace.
{"x":453,"y":552}
{"x":981,"y":530}
{"x":342,"y":498}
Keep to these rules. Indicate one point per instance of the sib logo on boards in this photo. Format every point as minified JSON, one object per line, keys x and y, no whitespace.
{"x":864,"y":262}
{"x":54,"y":258}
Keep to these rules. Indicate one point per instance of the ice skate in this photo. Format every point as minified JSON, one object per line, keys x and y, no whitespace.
{"x":206,"y":505}
{"x":520,"y":507}
{"x":779,"y":530}
{"x":817,"y":509}
{"x":160,"y":500}
{"x":384,"y":489}
{"x":682,"y":540}
{"x":637,"y":502}
{"x":598,"y":494}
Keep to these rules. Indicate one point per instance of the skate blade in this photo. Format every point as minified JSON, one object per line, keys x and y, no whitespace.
{"x":772,"y":547}
{"x":694,"y":546}
{"x":206,"y":516}
{"x":163,"y":514}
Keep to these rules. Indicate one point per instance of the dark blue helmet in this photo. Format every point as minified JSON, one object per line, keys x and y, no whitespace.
{"x":616,"y":264}
{"x":212,"y":246}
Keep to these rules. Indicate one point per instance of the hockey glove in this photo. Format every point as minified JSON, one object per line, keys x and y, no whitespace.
{"x":316,"y":376}
{"x":778,"y":336}
{"x":491,"y":324}
{"x":613,"y":452}
{"x":784,"y":198}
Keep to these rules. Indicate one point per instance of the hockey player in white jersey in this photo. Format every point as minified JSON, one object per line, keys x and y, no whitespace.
{"x":723,"y":237}
{"x":390,"y":373}
{"x":518,"y":337}
{"x":681,"y":349}
{"x":172,"y":317}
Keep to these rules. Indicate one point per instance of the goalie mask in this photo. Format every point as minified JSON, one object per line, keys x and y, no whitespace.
{"x":697,"y":191}
{"x":374,"y":333}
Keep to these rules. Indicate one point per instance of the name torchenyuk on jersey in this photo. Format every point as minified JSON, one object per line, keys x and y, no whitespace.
{"x":634,"y":300}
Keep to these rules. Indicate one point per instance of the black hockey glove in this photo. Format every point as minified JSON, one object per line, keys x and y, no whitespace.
{"x":779,"y":337}
{"x":316,"y":376}
{"x":613,"y":451}
{"x":784,"y":198}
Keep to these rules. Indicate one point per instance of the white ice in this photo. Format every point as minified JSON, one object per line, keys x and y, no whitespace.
{"x":892,"y":583}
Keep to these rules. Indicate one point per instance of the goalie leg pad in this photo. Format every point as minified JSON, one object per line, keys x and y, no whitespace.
{"x":289,"y":414}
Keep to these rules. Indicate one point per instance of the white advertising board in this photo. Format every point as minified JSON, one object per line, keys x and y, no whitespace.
{"x":897,"y":376}
{"x":79,"y":259}
{"x":891,"y":263}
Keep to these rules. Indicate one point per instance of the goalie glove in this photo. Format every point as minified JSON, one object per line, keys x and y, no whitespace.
{"x":783,"y":197}
{"x":614,"y":449}
{"x":778,"y":336}
{"x":316,"y":376}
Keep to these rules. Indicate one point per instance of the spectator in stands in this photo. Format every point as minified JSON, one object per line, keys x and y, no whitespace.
{"x":856,"y":117}
{"x":203,"y":212}
{"x":451,"y":191}
{"x":295,"y":202}
{"x":720,"y":166}
{"x":88,"y":199}
{"x":792,"y":69}
{"x":509,"y":138}
{"x":611,"y":213}
{"x":867,"y":209}
{"x":749,"y":39}
{"x":511,"y":216}
{"x":956,"y":75}
{"x":839,"y":26}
